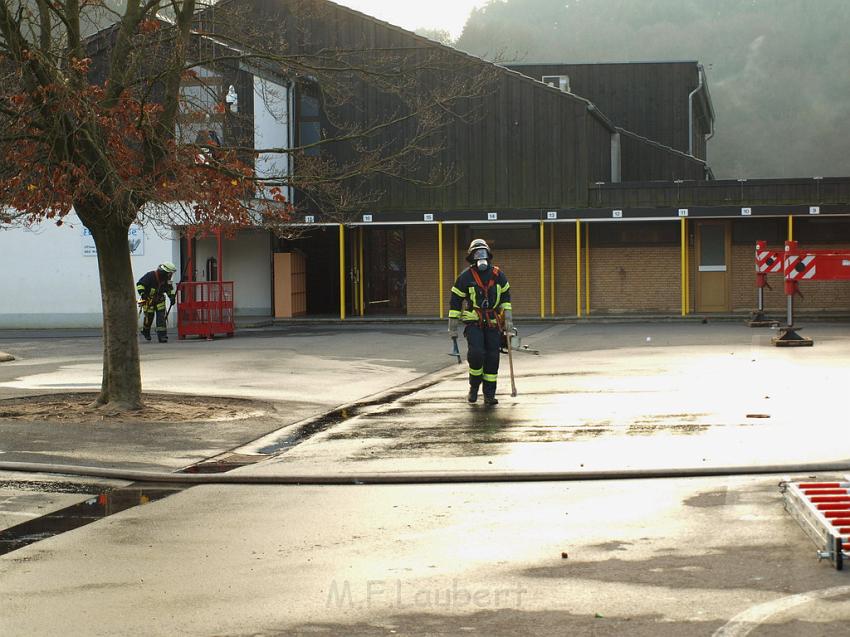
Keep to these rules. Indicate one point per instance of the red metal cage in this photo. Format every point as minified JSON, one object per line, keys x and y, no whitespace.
{"x":205,"y":308}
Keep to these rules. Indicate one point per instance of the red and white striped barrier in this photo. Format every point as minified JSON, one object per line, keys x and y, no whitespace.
{"x":823,"y":511}
{"x":800,"y":267}
{"x":767,"y":261}
{"x":807,"y":265}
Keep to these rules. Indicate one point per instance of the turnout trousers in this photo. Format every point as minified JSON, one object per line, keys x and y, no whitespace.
{"x":482,"y":354}
{"x":157,"y":310}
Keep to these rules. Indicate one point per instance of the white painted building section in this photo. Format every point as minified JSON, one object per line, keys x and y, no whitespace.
{"x":51,"y":277}
{"x":51,"y":273}
{"x":272,"y":129}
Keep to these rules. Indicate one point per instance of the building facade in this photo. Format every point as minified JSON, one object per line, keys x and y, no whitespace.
{"x":591,"y":183}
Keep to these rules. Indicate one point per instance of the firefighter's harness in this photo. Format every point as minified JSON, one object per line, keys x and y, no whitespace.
{"x":482,"y":313}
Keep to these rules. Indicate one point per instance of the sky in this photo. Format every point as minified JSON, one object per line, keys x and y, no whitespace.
{"x":448,"y":15}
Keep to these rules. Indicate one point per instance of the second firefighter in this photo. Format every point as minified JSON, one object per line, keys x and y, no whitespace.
{"x":481,"y":300}
{"x":153,"y":287}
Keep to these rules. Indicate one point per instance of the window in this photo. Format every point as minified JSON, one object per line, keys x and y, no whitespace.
{"x":201,"y":115}
{"x":309,"y":120}
{"x":561,"y":82}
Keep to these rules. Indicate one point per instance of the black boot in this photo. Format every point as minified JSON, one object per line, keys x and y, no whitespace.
{"x":163,"y":338}
{"x":490,"y":400}
{"x":146,"y":333}
{"x":473,"y":394}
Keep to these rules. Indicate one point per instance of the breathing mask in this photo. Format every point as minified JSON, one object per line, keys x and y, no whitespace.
{"x":480,"y":258}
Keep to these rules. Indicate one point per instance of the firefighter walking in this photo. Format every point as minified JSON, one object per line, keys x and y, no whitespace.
{"x":481,"y":300}
{"x":153,"y":288}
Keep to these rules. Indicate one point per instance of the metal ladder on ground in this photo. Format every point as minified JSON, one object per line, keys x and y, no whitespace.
{"x":823,"y":511}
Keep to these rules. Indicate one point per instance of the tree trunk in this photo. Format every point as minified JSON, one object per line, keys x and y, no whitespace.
{"x":121,"y":386}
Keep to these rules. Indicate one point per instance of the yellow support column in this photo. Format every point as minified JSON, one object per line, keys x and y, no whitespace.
{"x":552,"y":270}
{"x":683,"y":264}
{"x":360,"y":269}
{"x":341,"y":272}
{"x":790,"y":228}
{"x":687,"y":271}
{"x":578,"y":267}
{"x":542,"y":271}
{"x":454,"y":251}
{"x":587,"y":269}
{"x":440,"y":264}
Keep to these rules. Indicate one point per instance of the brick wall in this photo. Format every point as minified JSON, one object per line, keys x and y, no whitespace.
{"x":623,"y":279}
{"x":636,"y":279}
{"x":522,"y":266}
{"x":422,"y":267}
{"x":565,"y":270}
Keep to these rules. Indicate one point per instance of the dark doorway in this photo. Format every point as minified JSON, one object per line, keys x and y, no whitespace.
{"x":385,"y":283}
{"x":321,"y":250}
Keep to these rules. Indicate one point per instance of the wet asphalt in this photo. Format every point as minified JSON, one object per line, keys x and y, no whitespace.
{"x":697,"y":556}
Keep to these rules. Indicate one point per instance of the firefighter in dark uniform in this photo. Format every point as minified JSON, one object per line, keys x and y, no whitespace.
{"x":153,"y":287}
{"x":481,"y":300}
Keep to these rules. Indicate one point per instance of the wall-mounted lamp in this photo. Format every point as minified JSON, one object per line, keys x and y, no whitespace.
{"x":232,"y":99}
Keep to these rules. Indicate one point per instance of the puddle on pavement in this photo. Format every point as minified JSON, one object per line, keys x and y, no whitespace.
{"x":224,"y":463}
{"x":73,"y":517}
{"x":326,"y":421}
{"x":44,"y":486}
{"x":311,"y":428}
{"x":682,"y":429}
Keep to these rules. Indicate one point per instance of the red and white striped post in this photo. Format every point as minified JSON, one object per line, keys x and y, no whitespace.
{"x":767,"y":262}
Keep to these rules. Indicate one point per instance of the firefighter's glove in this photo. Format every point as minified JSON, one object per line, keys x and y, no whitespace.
{"x":453,"y":327}
{"x":509,"y":321}
{"x":173,"y":299}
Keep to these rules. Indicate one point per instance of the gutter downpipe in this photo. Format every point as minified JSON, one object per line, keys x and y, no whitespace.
{"x":701,"y":86}
{"x":615,"y":158}
{"x":691,"y":110}
{"x":615,"y":140}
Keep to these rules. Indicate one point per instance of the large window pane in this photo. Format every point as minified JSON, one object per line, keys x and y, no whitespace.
{"x":311,"y":133}
{"x":712,"y":245}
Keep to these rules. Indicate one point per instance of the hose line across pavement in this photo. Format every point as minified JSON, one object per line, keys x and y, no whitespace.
{"x":410,"y":478}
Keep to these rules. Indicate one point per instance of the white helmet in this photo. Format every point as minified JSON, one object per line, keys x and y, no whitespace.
{"x":168,"y":267}
{"x":477,"y":244}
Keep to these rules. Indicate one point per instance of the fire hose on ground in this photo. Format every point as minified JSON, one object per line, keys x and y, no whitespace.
{"x":411,"y":478}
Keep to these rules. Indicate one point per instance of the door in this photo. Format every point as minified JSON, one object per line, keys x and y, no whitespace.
{"x":385,"y":283}
{"x":712,"y":252}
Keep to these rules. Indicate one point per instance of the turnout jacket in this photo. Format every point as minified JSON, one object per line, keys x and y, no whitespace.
{"x":155,"y":284}
{"x":479,"y":301}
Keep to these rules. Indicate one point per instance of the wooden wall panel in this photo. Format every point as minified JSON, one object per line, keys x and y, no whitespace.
{"x":532,"y":147}
{"x":649,"y":99}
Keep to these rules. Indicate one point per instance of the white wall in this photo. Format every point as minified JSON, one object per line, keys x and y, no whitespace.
{"x":49,"y":281}
{"x":247,"y":262}
{"x":272,"y":128}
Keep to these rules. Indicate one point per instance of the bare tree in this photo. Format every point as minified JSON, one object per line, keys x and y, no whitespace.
{"x":108,"y":125}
